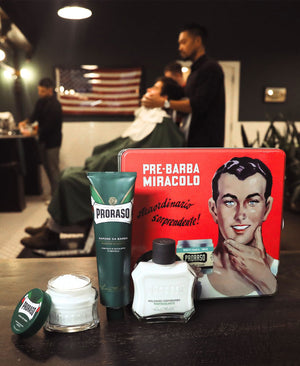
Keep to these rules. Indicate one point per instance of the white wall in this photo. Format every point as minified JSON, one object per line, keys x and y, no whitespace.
{"x":252,"y":128}
{"x":79,"y":139}
{"x":233,"y":137}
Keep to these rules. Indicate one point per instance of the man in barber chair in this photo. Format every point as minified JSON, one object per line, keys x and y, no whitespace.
{"x":70,"y":204}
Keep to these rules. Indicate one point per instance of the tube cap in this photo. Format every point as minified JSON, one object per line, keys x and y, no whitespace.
{"x":114,"y":314}
{"x":163,"y":251}
{"x":31,"y":312}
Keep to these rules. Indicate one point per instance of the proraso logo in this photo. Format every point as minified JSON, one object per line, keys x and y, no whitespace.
{"x":112,"y":213}
{"x":29,"y":308}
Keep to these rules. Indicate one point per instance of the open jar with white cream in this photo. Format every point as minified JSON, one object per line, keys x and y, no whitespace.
{"x":74,"y":304}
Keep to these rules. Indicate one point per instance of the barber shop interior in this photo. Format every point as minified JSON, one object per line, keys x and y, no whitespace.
{"x":150,"y":182}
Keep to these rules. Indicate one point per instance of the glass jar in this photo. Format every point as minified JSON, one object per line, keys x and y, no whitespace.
{"x":74,"y":304}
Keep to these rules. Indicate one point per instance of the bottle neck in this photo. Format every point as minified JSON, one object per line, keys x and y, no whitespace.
{"x":164,"y":265}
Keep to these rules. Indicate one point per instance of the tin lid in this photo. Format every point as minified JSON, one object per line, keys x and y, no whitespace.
{"x":31,"y":312}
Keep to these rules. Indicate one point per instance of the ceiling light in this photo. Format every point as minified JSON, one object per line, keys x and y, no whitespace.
{"x":9,"y":74}
{"x":89,"y":67}
{"x":74,"y":12}
{"x":2,"y":55}
{"x":25,"y":73}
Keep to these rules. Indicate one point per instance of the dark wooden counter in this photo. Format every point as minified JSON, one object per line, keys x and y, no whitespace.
{"x":249,"y":331}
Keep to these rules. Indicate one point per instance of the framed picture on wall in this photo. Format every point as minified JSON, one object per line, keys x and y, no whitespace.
{"x":275,"y":95}
{"x":90,"y":90}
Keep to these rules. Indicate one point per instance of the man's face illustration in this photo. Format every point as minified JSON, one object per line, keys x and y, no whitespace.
{"x":241,"y":206}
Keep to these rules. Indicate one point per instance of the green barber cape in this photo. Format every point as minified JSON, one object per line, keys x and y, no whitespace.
{"x":71,"y":202}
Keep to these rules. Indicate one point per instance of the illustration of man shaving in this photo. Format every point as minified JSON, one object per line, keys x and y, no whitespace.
{"x":241,"y":201}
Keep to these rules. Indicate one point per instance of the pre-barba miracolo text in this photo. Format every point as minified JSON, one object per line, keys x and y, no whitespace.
{"x":171,"y":175}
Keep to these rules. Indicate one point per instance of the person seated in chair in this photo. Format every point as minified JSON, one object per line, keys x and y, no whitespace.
{"x":70,"y":204}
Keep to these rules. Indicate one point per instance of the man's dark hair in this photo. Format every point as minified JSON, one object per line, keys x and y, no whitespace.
{"x":196,"y":30}
{"x":171,"y":88}
{"x":173,"y":67}
{"x":46,"y":83}
{"x":243,"y":168}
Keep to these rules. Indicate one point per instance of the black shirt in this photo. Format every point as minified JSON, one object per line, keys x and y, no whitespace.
{"x":48,"y":113}
{"x":205,"y":90}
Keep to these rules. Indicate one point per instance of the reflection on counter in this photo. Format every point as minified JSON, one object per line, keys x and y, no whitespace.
{"x":7,"y":124}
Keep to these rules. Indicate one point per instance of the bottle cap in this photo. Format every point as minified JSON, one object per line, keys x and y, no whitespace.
{"x":31,"y":312}
{"x":163,"y":251}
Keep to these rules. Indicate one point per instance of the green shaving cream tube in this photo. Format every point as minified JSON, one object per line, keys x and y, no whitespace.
{"x":112,"y":200}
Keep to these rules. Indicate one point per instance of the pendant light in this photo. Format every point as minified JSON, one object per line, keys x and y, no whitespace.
{"x":2,"y":55}
{"x":75,"y":12}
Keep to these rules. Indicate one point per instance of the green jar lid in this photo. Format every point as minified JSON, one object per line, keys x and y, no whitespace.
{"x":31,"y":312}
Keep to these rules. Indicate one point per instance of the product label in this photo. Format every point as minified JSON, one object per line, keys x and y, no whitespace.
{"x":177,"y":195}
{"x":29,"y":308}
{"x":112,"y":213}
{"x":196,"y":252}
{"x":163,"y":306}
{"x":112,"y":200}
{"x":166,"y":296}
{"x":171,"y":175}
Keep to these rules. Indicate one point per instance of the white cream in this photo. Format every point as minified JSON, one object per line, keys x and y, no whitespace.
{"x":74,"y":304}
{"x":69,"y":282}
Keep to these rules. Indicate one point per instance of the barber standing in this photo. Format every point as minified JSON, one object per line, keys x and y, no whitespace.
{"x":48,"y":114}
{"x":204,"y":91}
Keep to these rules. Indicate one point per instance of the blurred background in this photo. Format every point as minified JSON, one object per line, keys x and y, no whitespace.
{"x":255,"y":42}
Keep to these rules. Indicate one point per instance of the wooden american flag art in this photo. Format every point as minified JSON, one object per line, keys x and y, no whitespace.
{"x":89,"y":90}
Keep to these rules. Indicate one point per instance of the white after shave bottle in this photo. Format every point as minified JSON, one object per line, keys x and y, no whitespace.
{"x":163,"y":287}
